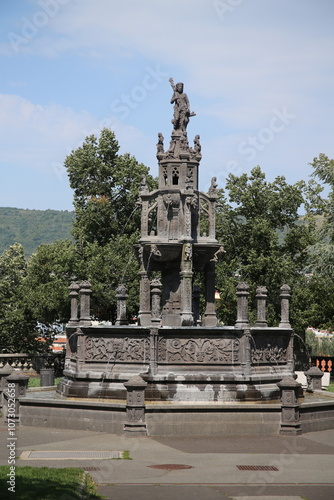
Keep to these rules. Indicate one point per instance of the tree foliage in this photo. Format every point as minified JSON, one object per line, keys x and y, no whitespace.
{"x":105,"y":188}
{"x":18,"y":325}
{"x":257,"y":221}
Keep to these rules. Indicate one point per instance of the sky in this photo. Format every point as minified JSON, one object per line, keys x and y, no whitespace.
{"x":259,"y":74}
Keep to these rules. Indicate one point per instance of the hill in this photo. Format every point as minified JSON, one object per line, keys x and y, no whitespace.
{"x":31,"y":228}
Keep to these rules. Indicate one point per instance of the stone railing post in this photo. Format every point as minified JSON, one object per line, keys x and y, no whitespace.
{"x":290,"y":418}
{"x":196,"y":305}
{"x":242,"y":306}
{"x":4,"y":373}
{"x":121,"y":296}
{"x":210,"y":318}
{"x":74,"y":294}
{"x":313,"y":377}
{"x":16,"y":388}
{"x":135,"y":406}
{"x":85,"y":293}
{"x":156,"y":293}
{"x":285,"y":299}
{"x":261,"y":298}
{"x":144,"y":316}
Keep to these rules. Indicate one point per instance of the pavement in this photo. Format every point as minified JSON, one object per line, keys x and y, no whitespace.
{"x":224,"y":468}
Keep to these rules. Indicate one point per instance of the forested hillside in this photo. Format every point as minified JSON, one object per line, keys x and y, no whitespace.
{"x":33,"y":227}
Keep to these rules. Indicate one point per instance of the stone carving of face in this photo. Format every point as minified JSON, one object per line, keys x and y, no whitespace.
{"x":179,"y":87}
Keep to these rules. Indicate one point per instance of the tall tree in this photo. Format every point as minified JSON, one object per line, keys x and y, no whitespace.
{"x":265,"y":244}
{"x":106,"y":187}
{"x":18,"y":326}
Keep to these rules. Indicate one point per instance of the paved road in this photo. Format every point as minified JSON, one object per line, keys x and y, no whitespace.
{"x":301,"y":467}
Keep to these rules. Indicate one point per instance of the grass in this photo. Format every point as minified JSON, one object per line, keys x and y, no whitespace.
{"x":331,"y":387}
{"x":44,"y":483}
{"x":36,"y":382}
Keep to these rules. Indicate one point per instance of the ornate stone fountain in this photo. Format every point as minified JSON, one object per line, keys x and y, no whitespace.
{"x":179,"y":355}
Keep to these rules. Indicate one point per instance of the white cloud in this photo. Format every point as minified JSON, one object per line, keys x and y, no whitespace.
{"x":37,"y":137}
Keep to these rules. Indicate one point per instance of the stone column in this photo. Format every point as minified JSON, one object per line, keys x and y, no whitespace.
{"x":85,"y":293}
{"x":261,"y":297}
{"x":121,"y":296}
{"x":285,"y":298}
{"x":242,"y":306}
{"x":80,"y":355}
{"x":144,"y":316}
{"x":16,"y":388}
{"x":314,"y":376}
{"x":144,"y":218}
{"x":74,"y":294}
{"x":135,"y":406}
{"x":156,"y":301}
{"x":196,"y":305}
{"x":290,"y":419}
{"x":187,"y":318}
{"x":245,"y":353}
{"x":210,"y":318}
{"x":154,"y":333}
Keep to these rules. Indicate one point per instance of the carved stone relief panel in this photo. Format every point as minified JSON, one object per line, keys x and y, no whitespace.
{"x":273,"y":350}
{"x":117,"y":349}
{"x":205,"y":350}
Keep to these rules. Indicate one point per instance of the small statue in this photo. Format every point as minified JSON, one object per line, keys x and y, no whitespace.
{"x":160,"y":145}
{"x":213,"y":187}
{"x":216,"y":255}
{"x":188,"y":251}
{"x":143,"y":184}
{"x":197,"y":145}
{"x":121,"y":289}
{"x":181,"y":107}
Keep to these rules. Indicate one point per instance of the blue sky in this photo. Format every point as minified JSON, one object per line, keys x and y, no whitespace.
{"x":258,"y":73}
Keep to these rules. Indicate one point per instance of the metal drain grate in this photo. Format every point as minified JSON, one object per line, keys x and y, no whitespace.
{"x":171,"y":466}
{"x":257,"y":467}
{"x":88,"y":469}
{"x":71,"y":455}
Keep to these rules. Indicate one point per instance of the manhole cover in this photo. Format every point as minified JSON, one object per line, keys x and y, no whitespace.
{"x":71,"y":455}
{"x":171,"y":466}
{"x":257,"y":467}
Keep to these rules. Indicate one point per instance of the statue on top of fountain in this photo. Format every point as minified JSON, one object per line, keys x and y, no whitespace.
{"x":181,"y":108}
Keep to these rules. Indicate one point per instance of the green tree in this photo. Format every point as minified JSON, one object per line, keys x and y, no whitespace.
{"x":18,"y":326}
{"x":105,"y":188}
{"x":322,"y":252}
{"x":107,"y":219}
{"x":48,"y":275}
{"x":258,"y":223}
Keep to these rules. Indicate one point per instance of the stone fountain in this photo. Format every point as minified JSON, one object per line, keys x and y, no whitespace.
{"x":181,"y":355}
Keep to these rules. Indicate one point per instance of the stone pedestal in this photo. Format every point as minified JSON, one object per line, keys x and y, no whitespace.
{"x":16,"y":388}
{"x":261,"y":298}
{"x":135,"y":406}
{"x":121,"y":296}
{"x":74,"y":295}
{"x":85,"y":293}
{"x":242,"y":306}
{"x":314,"y":376}
{"x":290,"y":420}
{"x":4,"y":373}
{"x":285,"y":300}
